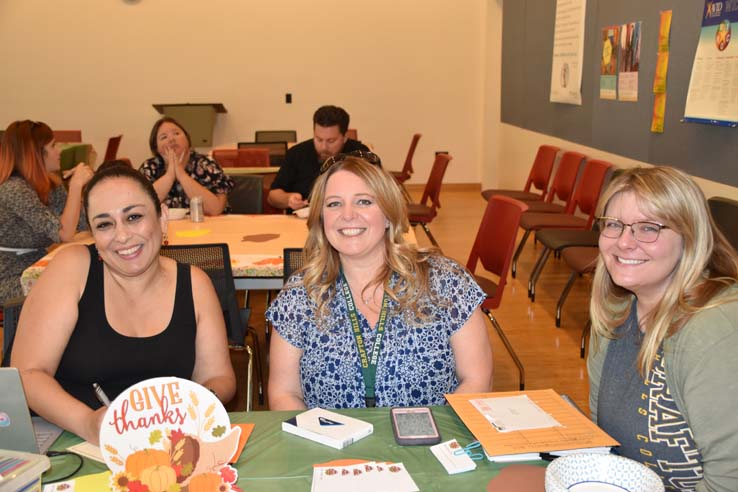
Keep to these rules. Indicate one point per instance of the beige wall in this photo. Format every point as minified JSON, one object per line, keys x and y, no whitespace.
{"x":398,"y":67}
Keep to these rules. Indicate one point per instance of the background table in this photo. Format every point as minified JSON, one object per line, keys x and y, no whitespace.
{"x":255,"y":243}
{"x":274,"y":460}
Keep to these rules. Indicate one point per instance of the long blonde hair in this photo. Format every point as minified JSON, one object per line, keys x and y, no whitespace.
{"x":407,"y":261}
{"x":708,"y":263}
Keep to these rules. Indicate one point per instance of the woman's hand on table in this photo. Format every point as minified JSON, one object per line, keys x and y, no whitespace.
{"x":93,"y":425}
{"x":295,"y":201}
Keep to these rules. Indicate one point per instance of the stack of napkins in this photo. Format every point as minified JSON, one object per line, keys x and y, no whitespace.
{"x":329,"y":428}
{"x":364,"y":477}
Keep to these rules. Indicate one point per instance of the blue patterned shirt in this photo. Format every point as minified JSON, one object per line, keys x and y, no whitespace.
{"x":416,"y":366}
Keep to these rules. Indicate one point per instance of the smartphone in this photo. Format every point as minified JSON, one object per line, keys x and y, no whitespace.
{"x":414,"y":426}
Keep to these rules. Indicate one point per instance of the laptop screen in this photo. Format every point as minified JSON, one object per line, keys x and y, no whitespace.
{"x":16,"y":428}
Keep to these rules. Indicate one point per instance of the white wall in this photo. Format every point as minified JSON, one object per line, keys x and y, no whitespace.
{"x":398,"y":67}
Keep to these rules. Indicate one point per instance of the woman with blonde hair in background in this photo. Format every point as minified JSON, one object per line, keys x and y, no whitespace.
{"x":662,"y":365}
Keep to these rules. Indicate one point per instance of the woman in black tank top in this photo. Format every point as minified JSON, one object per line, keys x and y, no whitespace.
{"x":116,"y":312}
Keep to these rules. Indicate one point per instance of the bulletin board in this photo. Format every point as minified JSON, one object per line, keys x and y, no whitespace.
{"x":622,"y":128}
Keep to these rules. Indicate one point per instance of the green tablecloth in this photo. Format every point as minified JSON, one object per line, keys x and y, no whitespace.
{"x":274,"y":460}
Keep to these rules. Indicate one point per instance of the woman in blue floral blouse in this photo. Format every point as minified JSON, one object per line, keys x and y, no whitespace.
{"x":372,"y":320}
{"x":179,"y":173}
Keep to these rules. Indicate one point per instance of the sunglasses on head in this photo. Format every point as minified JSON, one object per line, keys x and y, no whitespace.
{"x":370,"y":157}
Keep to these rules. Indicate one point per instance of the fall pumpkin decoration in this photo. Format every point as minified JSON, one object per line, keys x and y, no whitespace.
{"x":158,"y":478}
{"x":204,"y":482}
{"x":184,"y":453}
{"x":146,"y":458}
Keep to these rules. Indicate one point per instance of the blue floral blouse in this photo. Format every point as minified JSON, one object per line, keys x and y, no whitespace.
{"x":204,"y":170}
{"x":416,"y":365}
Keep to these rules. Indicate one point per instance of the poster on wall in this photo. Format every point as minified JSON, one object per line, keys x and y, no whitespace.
{"x":713,"y":86}
{"x":609,"y":62}
{"x":630,"y":58}
{"x":568,"y":49}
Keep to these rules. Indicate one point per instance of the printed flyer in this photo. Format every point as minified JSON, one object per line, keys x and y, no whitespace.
{"x":609,"y":62}
{"x":713,"y":86}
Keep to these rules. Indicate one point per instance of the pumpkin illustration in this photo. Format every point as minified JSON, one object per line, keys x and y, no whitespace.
{"x":146,"y":458}
{"x":204,"y":482}
{"x":158,"y":478}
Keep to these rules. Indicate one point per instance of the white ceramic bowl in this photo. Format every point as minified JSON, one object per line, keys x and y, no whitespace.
{"x":600,"y":473}
{"x":177,"y":213}
{"x":303,"y":212}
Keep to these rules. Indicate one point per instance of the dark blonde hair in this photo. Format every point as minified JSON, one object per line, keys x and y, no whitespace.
{"x":403,"y":259}
{"x":22,"y":151}
{"x":708,"y":263}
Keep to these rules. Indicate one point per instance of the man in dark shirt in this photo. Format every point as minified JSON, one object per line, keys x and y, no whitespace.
{"x":294,"y":181}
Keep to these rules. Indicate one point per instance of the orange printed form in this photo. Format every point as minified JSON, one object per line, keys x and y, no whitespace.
{"x":572,"y":429}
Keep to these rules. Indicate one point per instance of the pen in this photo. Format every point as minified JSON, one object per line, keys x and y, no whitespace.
{"x":100,"y":394}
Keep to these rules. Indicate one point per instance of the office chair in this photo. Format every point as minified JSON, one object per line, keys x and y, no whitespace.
{"x":111,"y":152}
{"x":261,"y":136}
{"x":585,"y":200}
{"x":277,"y":150}
{"x":407,"y":168}
{"x":493,"y":247}
{"x":423,"y":213}
{"x":246,"y":197}
{"x":724,"y":212}
{"x":215,"y":260}
{"x":538,"y":177}
{"x":71,"y":136}
{"x":11,"y":314}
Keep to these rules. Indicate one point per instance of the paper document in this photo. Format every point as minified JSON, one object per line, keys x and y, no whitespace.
{"x":88,"y":451}
{"x":514,"y":413}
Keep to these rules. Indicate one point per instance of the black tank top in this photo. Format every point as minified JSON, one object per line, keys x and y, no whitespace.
{"x":96,"y":353}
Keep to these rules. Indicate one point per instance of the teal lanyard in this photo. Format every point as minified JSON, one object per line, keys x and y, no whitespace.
{"x":368,"y":363}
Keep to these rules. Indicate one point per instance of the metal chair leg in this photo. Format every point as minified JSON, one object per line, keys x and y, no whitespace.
{"x":430,"y":236}
{"x":583,"y":341}
{"x":537,"y":270}
{"x":514,"y":267}
{"x":563,"y":296}
{"x":508,"y":346}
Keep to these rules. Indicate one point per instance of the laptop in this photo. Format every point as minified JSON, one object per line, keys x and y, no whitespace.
{"x":18,"y":431}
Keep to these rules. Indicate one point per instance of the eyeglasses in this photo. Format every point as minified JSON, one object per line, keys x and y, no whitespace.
{"x":370,"y":157}
{"x":644,"y":232}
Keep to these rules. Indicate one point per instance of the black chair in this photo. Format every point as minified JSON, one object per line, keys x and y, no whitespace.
{"x":724,"y":212}
{"x":275,"y":136}
{"x":247,"y":195}
{"x":277,"y":150}
{"x":294,"y":259}
{"x":215,"y":260}
{"x":11,"y":314}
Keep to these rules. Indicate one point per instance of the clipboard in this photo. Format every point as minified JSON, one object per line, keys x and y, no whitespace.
{"x":575,"y":432}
